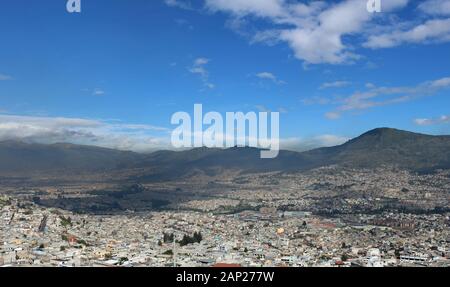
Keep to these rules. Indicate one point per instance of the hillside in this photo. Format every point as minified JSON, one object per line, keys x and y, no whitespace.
{"x":24,"y":157}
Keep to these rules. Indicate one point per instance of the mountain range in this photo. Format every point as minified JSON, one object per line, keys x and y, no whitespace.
{"x":378,"y":147}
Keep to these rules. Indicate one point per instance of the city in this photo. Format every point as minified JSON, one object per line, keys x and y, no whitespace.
{"x":252,"y":226}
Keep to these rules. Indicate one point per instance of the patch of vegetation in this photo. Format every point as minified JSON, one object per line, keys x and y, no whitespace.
{"x":196,"y":238}
{"x":236,"y":209}
{"x":122,"y":260}
{"x":5,"y":201}
{"x":65,"y":222}
{"x":167,"y":238}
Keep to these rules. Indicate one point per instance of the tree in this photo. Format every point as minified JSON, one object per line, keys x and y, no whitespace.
{"x":198,"y":237}
{"x":167,"y":238}
{"x":397,"y":253}
{"x":65,"y":221}
{"x":168,"y":252}
{"x":185,"y":241}
{"x":122,"y":260}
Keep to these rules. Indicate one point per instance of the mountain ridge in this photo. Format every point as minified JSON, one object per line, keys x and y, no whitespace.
{"x":377,"y":147}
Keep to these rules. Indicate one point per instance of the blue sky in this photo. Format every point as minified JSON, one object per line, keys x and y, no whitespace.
{"x":114,"y":74}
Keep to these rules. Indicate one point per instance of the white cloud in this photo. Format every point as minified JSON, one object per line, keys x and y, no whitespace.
{"x":83,"y":131}
{"x":379,"y":96}
{"x":270,"y":76}
{"x":332,"y":115}
{"x":282,"y":110}
{"x":370,"y":85}
{"x":435,"y":121}
{"x":98,"y":92}
{"x":435,"y":7}
{"x":210,"y":86}
{"x":432,"y":31}
{"x":199,"y":68}
{"x":314,"y":30}
{"x":331,"y":140}
{"x":201,"y":61}
{"x":337,"y":84}
{"x":266,"y":75}
{"x":325,"y":31}
{"x":263,"y":108}
{"x":318,"y":38}
{"x":317,"y":100}
{"x":304,"y":144}
{"x":441,"y":83}
{"x":4,"y":77}
{"x":183,"y":4}
{"x":261,"y":8}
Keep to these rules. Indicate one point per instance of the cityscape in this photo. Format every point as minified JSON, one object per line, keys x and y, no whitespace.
{"x":325,"y":217}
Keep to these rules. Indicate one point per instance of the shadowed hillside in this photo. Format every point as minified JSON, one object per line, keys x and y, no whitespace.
{"x":23,"y":157}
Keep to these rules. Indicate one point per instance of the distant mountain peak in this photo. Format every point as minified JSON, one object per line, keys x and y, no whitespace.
{"x":388,"y":136}
{"x":382,"y":130}
{"x":385,"y":131}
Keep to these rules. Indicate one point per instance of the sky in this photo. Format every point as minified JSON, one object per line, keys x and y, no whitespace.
{"x":114,"y":74}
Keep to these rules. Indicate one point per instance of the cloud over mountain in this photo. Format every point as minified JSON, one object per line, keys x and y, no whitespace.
{"x":82,"y":131}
